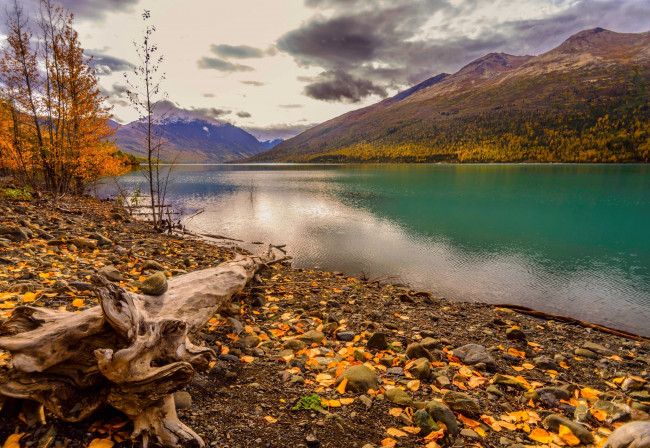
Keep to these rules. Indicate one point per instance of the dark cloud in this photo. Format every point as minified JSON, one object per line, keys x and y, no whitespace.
{"x":169,"y":109}
{"x":253,"y":83}
{"x":82,"y":9}
{"x":105,"y":64}
{"x":244,"y":114}
{"x":340,"y":86}
{"x":222,"y":66}
{"x":291,"y":106}
{"x":283,"y":131}
{"x":236,"y":51}
{"x":380,"y":41}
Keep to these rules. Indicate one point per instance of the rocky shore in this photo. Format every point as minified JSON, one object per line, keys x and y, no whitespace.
{"x":309,"y":358}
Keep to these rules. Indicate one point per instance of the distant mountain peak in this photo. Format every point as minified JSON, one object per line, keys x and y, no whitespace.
{"x":492,"y":64}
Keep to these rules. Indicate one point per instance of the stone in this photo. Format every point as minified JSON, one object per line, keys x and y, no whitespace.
{"x":111,"y":273}
{"x":423,"y":420}
{"x":631,"y":435}
{"x":235,"y":325}
{"x":544,"y":363}
{"x":182,"y":400}
{"x":312,"y":440}
{"x":461,"y":403}
{"x":345,"y":336}
{"x":469,"y":433}
{"x":378,"y":341}
{"x":557,"y":392}
{"x":398,"y":396}
{"x":101,"y":239}
{"x":420,"y":369}
{"x":366,"y":401}
{"x":581,"y":413}
{"x":312,"y":337}
{"x":152,"y":265}
{"x":247,"y":342}
{"x":584,"y":353}
{"x":643,"y":397}
{"x":615,"y":412}
{"x":633,"y":383}
{"x":472,"y":354}
{"x":515,"y":334}
{"x":295,"y":345}
{"x":441,"y":413}
{"x":155,"y":284}
{"x":597,"y":348}
{"x":492,"y":389}
{"x":415,"y":351}
{"x":430,"y":343}
{"x":83,"y":243}
{"x":360,"y":379}
{"x":554,"y":421}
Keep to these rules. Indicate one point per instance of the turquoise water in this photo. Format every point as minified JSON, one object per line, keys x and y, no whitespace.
{"x":568,"y":239}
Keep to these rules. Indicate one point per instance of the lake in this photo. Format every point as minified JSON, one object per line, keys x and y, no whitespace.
{"x":567,"y":239}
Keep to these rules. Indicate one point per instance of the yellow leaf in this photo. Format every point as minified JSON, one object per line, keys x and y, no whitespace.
{"x":480,"y":431}
{"x":413,"y":385}
{"x":568,"y":437}
{"x":388,"y":442}
{"x":29,"y":297}
{"x":12,"y":441}
{"x":247,"y":359}
{"x":468,"y":421}
{"x":101,"y":443}
{"x":78,"y":303}
{"x":396,"y":432}
{"x":599,"y":414}
{"x":341,"y":387}
{"x":44,"y":275}
{"x":514,"y":352}
{"x":270,"y":419}
{"x":528,"y":366}
{"x":589,"y":393}
{"x":412,"y":429}
{"x":346,"y":401}
{"x":541,"y":436}
{"x":476,"y":381}
{"x":395,"y":412}
{"x":434,"y":435}
{"x":509,"y":426}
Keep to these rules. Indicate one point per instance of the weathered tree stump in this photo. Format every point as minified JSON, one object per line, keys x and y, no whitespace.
{"x":131,"y":353}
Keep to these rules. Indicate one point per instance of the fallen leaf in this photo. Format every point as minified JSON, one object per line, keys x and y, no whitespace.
{"x":588,"y":393}
{"x":12,"y":441}
{"x":413,"y":385}
{"x":434,"y":435}
{"x":247,"y":359}
{"x":341,"y":387}
{"x":514,"y":352}
{"x":101,"y":443}
{"x":468,"y":421}
{"x":412,"y":429}
{"x":599,"y":414}
{"x":29,"y":297}
{"x":388,"y":442}
{"x":334,"y":404}
{"x":540,"y":435}
{"x":347,"y":401}
{"x":270,"y":419}
{"x":77,"y":303}
{"x":395,"y":412}
{"x":567,"y":436}
{"x":396,"y":432}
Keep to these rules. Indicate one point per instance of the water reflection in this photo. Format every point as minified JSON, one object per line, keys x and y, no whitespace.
{"x":564,"y":239}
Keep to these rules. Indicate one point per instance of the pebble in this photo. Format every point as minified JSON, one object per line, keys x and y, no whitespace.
{"x":471,"y":354}
{"x":415,"y":351}
{"x":360,"y":379}
{"x":461,"y":403}
{"x":378,"y":341}
{"x":155,"y":284}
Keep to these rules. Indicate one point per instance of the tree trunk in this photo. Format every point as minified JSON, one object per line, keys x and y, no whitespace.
{"x":131,"y":353}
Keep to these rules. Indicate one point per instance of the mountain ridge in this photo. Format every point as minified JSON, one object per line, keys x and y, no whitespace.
{"x":585,"y":100}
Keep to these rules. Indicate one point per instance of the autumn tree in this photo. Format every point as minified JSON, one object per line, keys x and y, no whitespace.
{"x":60,"y":121}
{"x":145,"y":94}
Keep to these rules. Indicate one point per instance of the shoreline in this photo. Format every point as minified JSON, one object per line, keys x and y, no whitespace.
{"x":291,"y":303}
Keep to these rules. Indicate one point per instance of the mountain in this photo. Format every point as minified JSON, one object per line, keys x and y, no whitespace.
{"x":190,"y":138}
{"x":586,"y":100}
{"x":268,"y":144}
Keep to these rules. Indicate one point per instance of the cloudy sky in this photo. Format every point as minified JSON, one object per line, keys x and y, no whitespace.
{"x":275,"y":67}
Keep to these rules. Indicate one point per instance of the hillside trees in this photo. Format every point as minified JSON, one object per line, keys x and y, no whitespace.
{"x":58,"y":127}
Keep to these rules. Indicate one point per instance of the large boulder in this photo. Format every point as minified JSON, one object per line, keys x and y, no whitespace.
{"x":360,"y":379}
{"x":472,"y":354}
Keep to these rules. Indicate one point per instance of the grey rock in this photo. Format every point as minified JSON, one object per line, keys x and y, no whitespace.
{"x":111,"y":273}
{"x":378,"y":341}
{"x":83,"y":243}
{"x":423,"y":420}
{"x":152,"y":265}
{"x":461,"y":403}
{"x":597,"y":348}
{"x":544,"y":363}
{"x":398,"y":396}
{"x":554,"y":421}
{"x":557,"y":392}
{"x":312,"y":337}
{"x":515,"y":334}
{"x":581,"y":413}
{"x":469,"y":433}
{"x":585,"y":353}
{"x":415,"y":351}
{"x":472,"y":354}
{"x":492,"y":389}
{"x":643,"y":397}
{"x":421,"y":369}
{"x":294,"y":345}
{"x":345,"y":335}
{"x":615,"y":412}
{"x":235,"y":326}
{"x":366,"y":401}
{"x":430,"y":343}
{"x":441,"y":413}
{"x":182,"y":400}
{"x":101,"y":239}
{"x":155,"y":284}
{"x":360,"y":379}
{"x":633,"y":383}
{"x":631,"y":435}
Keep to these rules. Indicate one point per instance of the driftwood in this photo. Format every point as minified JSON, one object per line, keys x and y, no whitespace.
{"x":131,"y":353}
